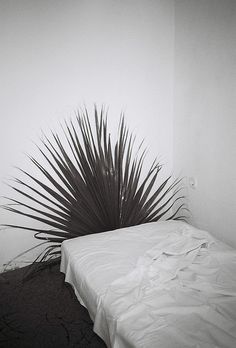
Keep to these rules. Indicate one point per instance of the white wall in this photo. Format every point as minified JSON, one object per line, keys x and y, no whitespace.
{"x":205,"y":104}
{"x":58,"y":55}
{"x":137,"y":56}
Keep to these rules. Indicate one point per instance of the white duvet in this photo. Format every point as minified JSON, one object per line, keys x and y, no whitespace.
{"x":163,"y":284}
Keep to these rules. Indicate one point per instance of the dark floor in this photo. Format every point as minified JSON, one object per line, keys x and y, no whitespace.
{"x":43,"y":312}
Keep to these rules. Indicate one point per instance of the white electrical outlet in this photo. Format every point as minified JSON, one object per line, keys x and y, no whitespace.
{"x":192,"y":182}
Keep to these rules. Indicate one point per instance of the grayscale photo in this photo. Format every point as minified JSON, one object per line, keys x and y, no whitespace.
{"x":117,"y":173}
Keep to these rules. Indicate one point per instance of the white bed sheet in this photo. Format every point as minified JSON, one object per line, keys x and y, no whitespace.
{"x":162,"y":284}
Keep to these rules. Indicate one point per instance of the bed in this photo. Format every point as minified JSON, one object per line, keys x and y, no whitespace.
{"x":162,"y":284}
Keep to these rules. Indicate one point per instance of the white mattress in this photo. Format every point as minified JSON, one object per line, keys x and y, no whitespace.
{"x":162,"y":284}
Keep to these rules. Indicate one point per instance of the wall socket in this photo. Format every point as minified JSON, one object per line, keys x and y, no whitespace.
{"x":192,"y":182}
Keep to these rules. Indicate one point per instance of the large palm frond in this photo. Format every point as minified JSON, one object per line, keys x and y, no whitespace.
{"x":95,"y":186}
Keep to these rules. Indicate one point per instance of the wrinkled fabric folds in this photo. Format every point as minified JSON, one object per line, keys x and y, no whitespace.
{"x":163,"y":284}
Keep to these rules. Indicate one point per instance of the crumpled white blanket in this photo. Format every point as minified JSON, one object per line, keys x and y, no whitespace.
{"x":182,"y":293}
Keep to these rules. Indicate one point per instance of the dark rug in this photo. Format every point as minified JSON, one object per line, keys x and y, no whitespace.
{"x":43,"y":312}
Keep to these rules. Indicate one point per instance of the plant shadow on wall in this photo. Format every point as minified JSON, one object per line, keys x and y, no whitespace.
{"x":96,"y":186}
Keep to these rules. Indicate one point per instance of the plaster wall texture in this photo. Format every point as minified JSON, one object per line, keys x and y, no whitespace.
{"x":204,"y":111}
